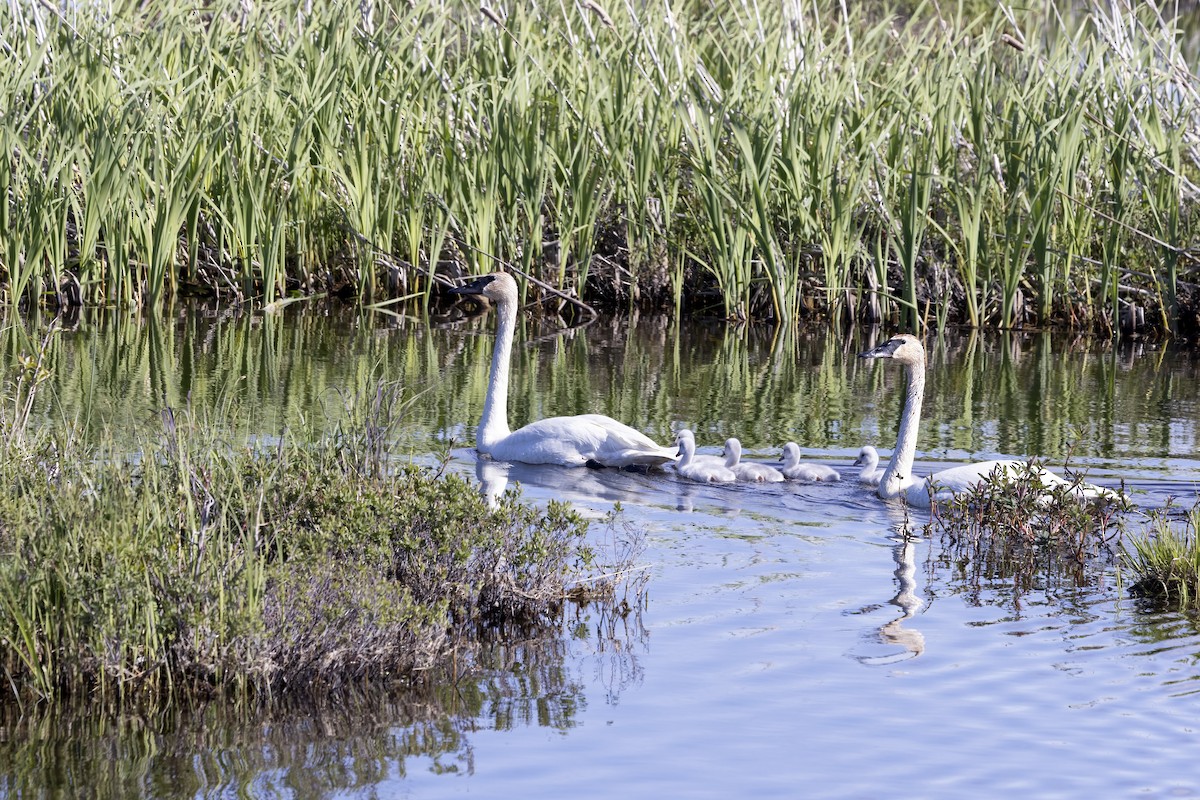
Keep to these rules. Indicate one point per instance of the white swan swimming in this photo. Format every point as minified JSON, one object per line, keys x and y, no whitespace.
{"x":705,"y":469}
{"x":795,"y":470}
{"x":897,"y":479}
{"x":748,"y":470}
{"x":584,"y":440}
{"x":868,"y":459}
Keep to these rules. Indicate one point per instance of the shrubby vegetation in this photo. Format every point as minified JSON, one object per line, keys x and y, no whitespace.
{"x":1013,"y":528}
{"x":964,"y":162}
{"x":198,"y":566}
{"x":1014,"y":531}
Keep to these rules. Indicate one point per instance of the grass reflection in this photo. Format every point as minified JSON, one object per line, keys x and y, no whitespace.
{"x":302,"y":747}
{"x":1008,"y":394}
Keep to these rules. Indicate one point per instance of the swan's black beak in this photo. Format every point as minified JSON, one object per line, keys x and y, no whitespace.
{"x":474,"y":287}
{"x":885,"y":350}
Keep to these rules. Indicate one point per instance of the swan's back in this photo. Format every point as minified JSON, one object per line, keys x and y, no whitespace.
{"x":750,"y":471}
{"x":944,"y":484}
{"x":794,"y":469}
{"x":586,"y":439}
{"x":816,"y":473}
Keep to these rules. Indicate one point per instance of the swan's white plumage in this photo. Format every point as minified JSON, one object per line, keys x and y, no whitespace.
{"x":568,"y":441}
{"x":750,"y":471}
{"x":796,"y":470}
{"x":897,"y":479}
{"x":868,"y":460}
{"x":705,"y":469}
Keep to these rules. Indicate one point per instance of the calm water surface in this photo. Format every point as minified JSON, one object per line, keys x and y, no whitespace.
{"x":793,"y":642}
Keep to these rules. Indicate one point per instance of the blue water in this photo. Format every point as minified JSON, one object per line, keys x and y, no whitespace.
{"x":795,"y":644}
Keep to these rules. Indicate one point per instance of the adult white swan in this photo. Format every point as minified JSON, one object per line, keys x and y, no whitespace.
{"x":796,"y":470}
{"x":705,"y":469}
{"x":897,"y":479}
{"x":868,"y":459}
{"x":584,"y":440}
{"x":748,"y":470}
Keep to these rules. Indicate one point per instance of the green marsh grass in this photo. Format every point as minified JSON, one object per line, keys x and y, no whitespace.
{"x":786,"y":161}
{"x":1165,"y":563}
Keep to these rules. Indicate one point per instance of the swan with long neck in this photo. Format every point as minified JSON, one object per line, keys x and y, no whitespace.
{"x":868,"y":460}
{"x":705,"y":469}
{"x":796,"y":470}
{"x":897,"y":480}
{"x":583,"y":440}
{"x":751,"y":471}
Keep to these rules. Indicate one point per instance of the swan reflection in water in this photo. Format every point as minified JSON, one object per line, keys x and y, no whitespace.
{"x":588,"y":488}
{"x":594,"y":488}
{"x":903,"y":553}
{"x":583,"y":487}
{"x":909,"y":602}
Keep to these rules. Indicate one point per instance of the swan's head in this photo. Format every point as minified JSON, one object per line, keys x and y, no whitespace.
{"x":499,"y":287}
{"x":685,"y":440}
{"x":868,"y":455}
{"x":903,"y":347}
{"x":733,"y":452}
{"x":791,"y":454}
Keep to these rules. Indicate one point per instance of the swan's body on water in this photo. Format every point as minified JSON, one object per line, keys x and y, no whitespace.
{"x":705,"y":469}
{"x":584,"y":440}
{"x":794,"y":469}
{"x":751,"y":471}
{"x":897,"y":479}
{"x":868,"y":459}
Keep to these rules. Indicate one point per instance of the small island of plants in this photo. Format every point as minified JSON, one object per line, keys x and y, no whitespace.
{"x":197,"y":567}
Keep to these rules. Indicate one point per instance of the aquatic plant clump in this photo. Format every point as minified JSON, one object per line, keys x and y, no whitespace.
{"x":1165,"y":563}
{"x":1012,"y":526}
{"x":199,"y":567}
{"x":986,"y":164}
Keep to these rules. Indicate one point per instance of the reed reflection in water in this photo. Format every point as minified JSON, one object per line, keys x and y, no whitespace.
{"x":1008,"y":395}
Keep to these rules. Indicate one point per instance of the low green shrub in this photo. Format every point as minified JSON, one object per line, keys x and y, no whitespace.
{"x":1012,"y":527}
{"x":197,"y":565}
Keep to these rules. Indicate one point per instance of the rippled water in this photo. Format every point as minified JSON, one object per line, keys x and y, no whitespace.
{"x":793,"y":642}
{"x":795,"y":645}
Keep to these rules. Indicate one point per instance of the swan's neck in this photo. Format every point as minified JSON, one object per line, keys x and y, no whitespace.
{"x":494,"y":425}
{"x":898,"y":474}
{"x":685,"y":456}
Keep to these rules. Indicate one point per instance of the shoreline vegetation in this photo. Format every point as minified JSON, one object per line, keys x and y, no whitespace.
{"x":927,"y":164}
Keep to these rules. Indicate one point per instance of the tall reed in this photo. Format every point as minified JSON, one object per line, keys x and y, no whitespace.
{"x":758,"y":153}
